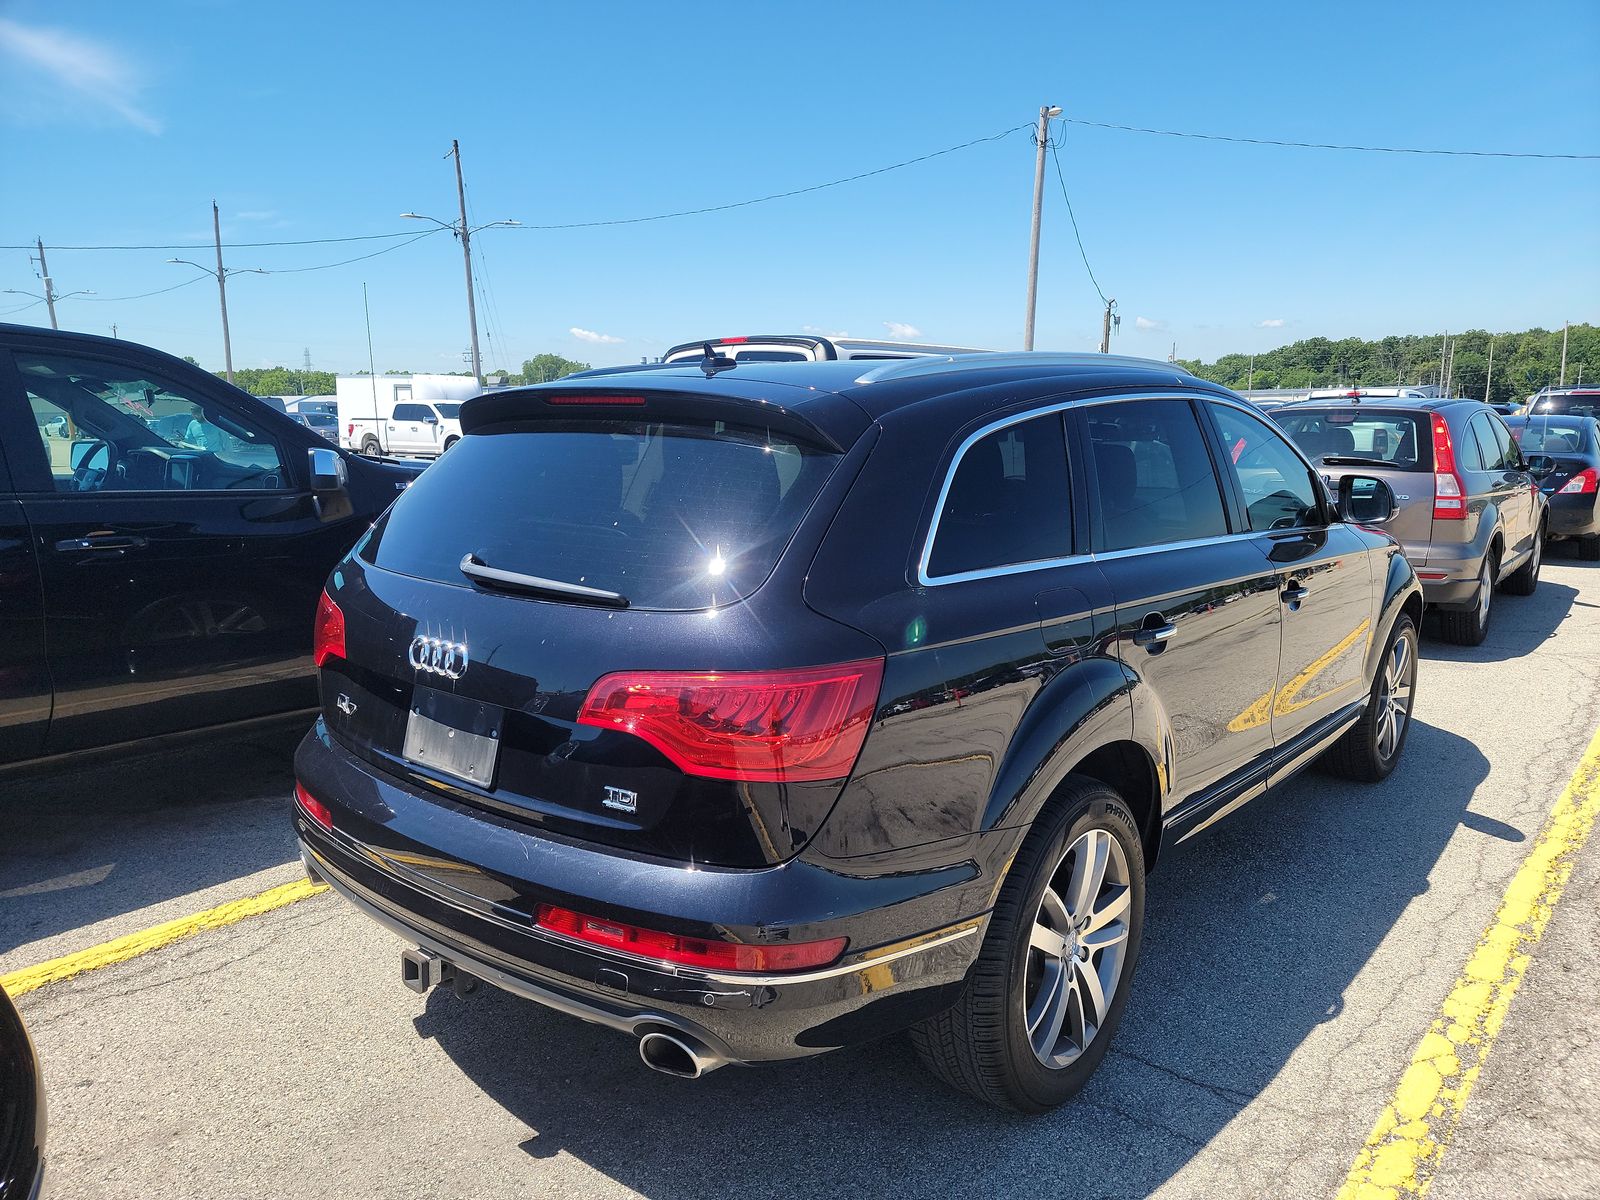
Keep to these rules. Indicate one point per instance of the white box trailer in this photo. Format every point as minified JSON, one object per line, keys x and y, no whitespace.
{"x":401,"y":414}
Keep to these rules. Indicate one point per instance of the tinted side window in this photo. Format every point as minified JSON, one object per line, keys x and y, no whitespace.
{"x":1009,"y":502}
{"x":1279,"y":493}
{"x":410,"y":412}
{"x":1155,"y":483}
{"x":1509,"y":454}
{"x":1489,"y":447}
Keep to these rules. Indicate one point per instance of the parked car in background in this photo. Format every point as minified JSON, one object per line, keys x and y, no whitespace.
{"x":1572,"y":488}
{"x":414,"y":415}
{"x":319,"y":404}
{"x":765,"y":714}
{"x":1583,"y":402}
{"x":324,"y":423}
{"x":791,"y":347}
{"x":163,"y":541}
{"x":276,"y":403}
{"x":1471,"y":513}
{"x":22,"y":1108}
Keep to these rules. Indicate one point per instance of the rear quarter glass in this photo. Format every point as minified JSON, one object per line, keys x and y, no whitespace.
{"x":672,"y":515}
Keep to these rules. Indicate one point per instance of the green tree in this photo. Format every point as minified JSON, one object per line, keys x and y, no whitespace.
{"x":542,"y":368}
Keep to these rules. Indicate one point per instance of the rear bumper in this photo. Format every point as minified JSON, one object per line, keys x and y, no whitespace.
{"x":1574,"y":516}
{"x":465,"y":888}
{"x":1448,"y":574}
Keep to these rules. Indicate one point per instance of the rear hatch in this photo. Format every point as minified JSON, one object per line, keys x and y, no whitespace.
{"x":559,"y":621}
{"x":1394,"y":445}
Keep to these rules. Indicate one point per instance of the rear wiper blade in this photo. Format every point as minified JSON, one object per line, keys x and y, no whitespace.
{"x":483,"y":573}
{"x":1342,"y":460}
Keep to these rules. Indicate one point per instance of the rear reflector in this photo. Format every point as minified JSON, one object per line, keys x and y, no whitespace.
{"x":312,"y":807}
{"x":674,"y":948}
{"x":597,"y":400}
{"x":1449,"y":496}
{"x":328,"y":636}
{"x":767,"y":726}
{"x":1433,"y":576}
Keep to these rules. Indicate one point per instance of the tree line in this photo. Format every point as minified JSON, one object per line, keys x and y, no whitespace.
{"x":1523,"y":362}
{"x":291,"y":381}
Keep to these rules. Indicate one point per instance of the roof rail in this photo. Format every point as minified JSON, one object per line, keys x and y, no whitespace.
{"x":994,"y":359}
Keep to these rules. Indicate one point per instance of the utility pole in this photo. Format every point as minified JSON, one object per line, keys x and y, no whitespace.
{"x":113,"y":329}
{"x":1042,"y":138}
{"x":466,"y":256}
{"x":1488,"y":375}
{"x":50,"y":288}
{"x":222,"y":291}
{"x":1250,"y":380}
{"x":1564,"y":326}
{"x":1105,"y":327}
{"x":1444,"y":350}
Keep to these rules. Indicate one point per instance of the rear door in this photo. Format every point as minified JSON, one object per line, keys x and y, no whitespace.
{"x":180,"y":549}
{"x":1197,"y":609}
{"x":1325,"y":577}
{"x":24,"y":674}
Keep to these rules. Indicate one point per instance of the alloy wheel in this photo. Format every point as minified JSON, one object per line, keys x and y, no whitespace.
{"x":1077,"y":948}
{"x":1394,"y":696}
{"x":1485,"y":592}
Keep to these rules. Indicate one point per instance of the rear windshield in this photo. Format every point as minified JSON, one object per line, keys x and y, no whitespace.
{"x":672,"y":516}
{"x":1577,"y":404}
{"x":1393,"y":440}
{"x":1554,"y":436}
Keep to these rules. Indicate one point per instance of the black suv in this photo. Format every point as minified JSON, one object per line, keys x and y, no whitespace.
{"x":762,"y":711}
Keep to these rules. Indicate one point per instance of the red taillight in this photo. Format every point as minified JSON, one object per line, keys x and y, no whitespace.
{"x":596,"y":401}
{"x":1449,"y":496}
{"x":771,"y":726}
{"x":328,"y":639}
{"x":1581,"y":484}
{"x":733,"y":341}
{"x":699,"y":952}
{"x":313,"y":808}
{"x":350,"y":430}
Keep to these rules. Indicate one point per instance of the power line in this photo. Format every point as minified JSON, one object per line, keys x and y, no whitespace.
{"x":415,"y":237}
{"x":817,"y":187}
{"x":364,"y":237}
{"x":6,"y":312}
{"x":1055,"y":159}
{"x":1219,"y":137}
{"x":143,"y":295}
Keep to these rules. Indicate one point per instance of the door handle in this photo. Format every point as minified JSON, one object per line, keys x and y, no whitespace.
{"x":1154,"y":637}
{"x":101,"y":543}
{"x":1294,"y":593}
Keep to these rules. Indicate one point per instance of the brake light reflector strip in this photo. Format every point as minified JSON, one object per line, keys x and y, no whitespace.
{"x":767,"y":726}
{"x":312,"y":807}
{"x":327,"y":639}
{"x":1449,"y":495}
{"x":690,"y":951}
{"x":595,"y":400}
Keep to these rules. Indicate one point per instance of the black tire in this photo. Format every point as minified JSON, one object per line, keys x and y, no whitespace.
{"x":982,"y":1045}
{"x":1360,"y":754}
{"x":1469,"y":628}
{"x":1589,"y":549}
{"x":1525,"y":578}
{"x":371,"y":448}
{"x":448,"y":442}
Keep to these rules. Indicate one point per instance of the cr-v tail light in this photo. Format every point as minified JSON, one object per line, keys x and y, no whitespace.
{"x":769,"y":726}
{"x":328,"y":639}
{"x":697,"y":952}
{"x":1449,"y":494}
{"x":1581,"y":484}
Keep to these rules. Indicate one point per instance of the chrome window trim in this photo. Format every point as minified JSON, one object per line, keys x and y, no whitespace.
{"x":927,"y":580}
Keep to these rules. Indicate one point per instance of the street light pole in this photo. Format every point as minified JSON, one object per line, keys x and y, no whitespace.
{"x":1042,"y":137}
{"x":49,"y":286}
{"x":1564,"y":327}
{"x":466,"y":258}
{"x":222,"y":291}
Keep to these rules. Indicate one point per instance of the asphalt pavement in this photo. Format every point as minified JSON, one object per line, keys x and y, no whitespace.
{"x":1292,"y":961}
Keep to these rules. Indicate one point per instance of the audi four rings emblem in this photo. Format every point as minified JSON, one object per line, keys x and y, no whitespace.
{"x":436,"y":656}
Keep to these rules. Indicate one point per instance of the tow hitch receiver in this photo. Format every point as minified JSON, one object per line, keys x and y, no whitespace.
{"x":420,"y":970}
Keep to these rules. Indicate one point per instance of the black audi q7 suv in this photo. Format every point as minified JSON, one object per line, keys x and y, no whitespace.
{"x":756,"y":712}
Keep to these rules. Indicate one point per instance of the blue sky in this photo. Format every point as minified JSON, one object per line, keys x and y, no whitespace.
{"x":121,"y":122}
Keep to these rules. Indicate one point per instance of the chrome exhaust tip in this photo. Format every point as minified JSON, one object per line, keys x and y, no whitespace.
{"x":672,"y":1054}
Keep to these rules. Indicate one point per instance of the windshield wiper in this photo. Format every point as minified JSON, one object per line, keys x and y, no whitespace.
{"x":1344,"y":460}
{"x":482,"y":573}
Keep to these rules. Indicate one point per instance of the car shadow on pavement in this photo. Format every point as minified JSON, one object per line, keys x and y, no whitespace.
{"x":82,"y":845}
{"x":1250,"y":941}
{"x":1518,"y":626}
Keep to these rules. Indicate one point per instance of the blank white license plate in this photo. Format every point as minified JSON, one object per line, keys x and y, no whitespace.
{"x":451,"y":751}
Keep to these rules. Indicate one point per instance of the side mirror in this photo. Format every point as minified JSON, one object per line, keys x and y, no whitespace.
{"x":1540,"y":465}
{"x":431,"y":419}
{"x":1365,"y":500}
{"x":328,"y":472}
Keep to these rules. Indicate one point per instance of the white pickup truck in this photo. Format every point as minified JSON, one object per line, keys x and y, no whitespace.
{"x":387,"y":416}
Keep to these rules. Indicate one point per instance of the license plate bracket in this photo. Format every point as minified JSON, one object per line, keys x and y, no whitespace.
{"x":454,"y":735}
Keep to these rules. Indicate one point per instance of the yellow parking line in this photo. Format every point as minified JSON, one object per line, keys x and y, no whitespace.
{"x":1406,"y":1145}
{"x":134,"y":944}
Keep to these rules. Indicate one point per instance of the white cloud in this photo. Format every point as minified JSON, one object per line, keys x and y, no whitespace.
{"x":77,"y":67}
{"x":596,"y":339}
{"x":821,"y":332}
{"x":1271,"y":323}
{"x":902,"y":331}
{"x":1146,"y":325}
